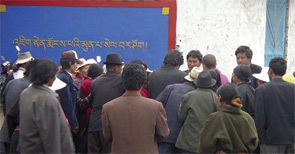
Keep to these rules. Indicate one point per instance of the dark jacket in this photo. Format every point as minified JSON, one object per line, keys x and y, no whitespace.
{"x":162,"y":77}
{"x":274,"y":112}
{"x":230,"y":130}
{"x":171,"y":98}
{"x":68,"y":97}
{"x":103,"y":89}
{"x":246,"y":91}
{"x":255,"y":69}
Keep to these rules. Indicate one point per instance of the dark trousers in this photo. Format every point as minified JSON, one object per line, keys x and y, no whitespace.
{"x":266,"y":148}
{"x":14,"y":142}
{"x":165,"y":147}
{"x":97,"y":144}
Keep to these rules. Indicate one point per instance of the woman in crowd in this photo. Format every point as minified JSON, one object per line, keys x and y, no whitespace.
{"x":84,"y":108}
{"x":229,"y":130}
{"x":43,"y":126}
{"x":82,"y":71}
{"x":242,"y":76}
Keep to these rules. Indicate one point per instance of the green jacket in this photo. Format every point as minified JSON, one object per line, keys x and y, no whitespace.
{"x":231,"y":130}
{"x":195,"y":108}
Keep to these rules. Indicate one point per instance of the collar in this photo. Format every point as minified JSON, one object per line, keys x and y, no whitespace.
{"x":233,"y":110}
{"x":168,"y":67}
{"x":45,"y":88}
{"x":132,"y":93}
{"x":21,"y":68}
{"x":277,"y":80}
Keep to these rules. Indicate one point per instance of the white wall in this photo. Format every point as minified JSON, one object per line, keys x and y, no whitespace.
{"x":291,"y":45}
{"x":219,"y":27}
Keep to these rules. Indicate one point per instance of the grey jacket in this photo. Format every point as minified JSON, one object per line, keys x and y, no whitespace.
{"x":43,"y":126}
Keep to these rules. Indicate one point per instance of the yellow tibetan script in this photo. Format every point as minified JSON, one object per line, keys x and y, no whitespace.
{"x":77,"y":43}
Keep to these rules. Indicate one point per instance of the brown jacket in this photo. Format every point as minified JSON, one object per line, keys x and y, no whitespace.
{"x":134,"y":124}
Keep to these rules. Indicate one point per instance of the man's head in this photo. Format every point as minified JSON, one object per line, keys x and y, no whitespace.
{"x":244,"y":55}
{"x":69,"y":61}
{"x":209,"y":62}
{"x":173,"y":58}
{"x":114,"y":63}
{"x":133,"y":76}
{"x":194,"y":58}
{"x":277,"y":67}
{"x":23,"y":59}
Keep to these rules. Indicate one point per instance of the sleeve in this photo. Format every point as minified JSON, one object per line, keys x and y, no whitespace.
{"x":106,"y":127}
{"x":183,"y":108}
{"x":260,"y":115}
{"x":207,"y":136}
{"x":164,"y":95}
{"x":49,"y":124}
{"x":162,"y":130}
{"x":252,"y":142}
{"x":67,"y":104}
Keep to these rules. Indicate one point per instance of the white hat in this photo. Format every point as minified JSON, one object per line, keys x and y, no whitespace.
{"x":88,"y":62}
{"x":57,"y":84}
{"x":193,"y":74}
{"x":23,"y":57}
{"x":263,"y":75}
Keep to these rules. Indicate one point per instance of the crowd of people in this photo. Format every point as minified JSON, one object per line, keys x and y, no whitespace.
{"x":83,"y":107}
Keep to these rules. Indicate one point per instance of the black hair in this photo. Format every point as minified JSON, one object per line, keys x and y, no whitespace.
{"x":278,"y":65}
{"x":195,"y":54}
{"x":246,"y":50}
{"x":43,"y":70}
{"x":94,"y":71}
{"x":243,"y":72}
{"x":67,"y":62}
{"x":173,"y":58}
{"x":133,"y":76}
{"x":140,"y":62}
{"x":228,"y":92}
{"x":209,"y":61}
{"x":29,"y":68}
{"x":215,"y":75}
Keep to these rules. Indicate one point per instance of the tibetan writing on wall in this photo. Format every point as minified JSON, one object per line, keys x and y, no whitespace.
{"x":76,"y":43}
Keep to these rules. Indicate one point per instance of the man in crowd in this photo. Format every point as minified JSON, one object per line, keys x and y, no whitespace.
{"x":68,"y":95}
{"x":104,"y":89}
{"x":194,"y":59}
{"x":274,"y":111}
{"x":167,"y":74}
{"x":171,"y":97}
{"x":195,"y":108}
{"x":244,"y":56}
{"x":134,"y":123}
{"x":209,"y":62}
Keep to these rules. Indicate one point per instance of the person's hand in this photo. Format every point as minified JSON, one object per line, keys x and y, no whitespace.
{"x":75,"y":130}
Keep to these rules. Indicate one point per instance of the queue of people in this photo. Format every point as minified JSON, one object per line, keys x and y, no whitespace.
{"x":129,"y":109}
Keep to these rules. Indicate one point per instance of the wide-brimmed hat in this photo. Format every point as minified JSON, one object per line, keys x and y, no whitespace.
{"x":263,"y":75}
{"x":193,"y":74}
{"x":57,"y":84}
{"x":71,"y":54}
{"x":23,"y":58}
{"x":204,"y":80}
{"x":113,"y":59}
{"x":88,"y":62}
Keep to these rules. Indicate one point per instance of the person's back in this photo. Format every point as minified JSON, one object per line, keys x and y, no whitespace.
{"x":274,"y":111}
{"x":103,"y":89}
{"x":132,"y":122}
{"x":136,"y":124}
{"x":195,"y":108}
{"x":167,"y":74}
{"x":231,"y":129}
{"x":277,"y":107}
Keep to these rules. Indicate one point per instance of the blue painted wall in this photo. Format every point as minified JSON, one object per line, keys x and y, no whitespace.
{"x":47,"y":31}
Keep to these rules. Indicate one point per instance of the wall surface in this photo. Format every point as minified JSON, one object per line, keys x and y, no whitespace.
{"x":220,"y":27}
{"x":291,"y":38}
